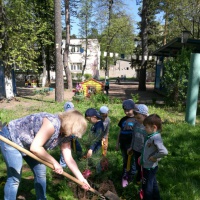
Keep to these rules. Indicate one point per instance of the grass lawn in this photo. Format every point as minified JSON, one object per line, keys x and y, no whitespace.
{"x":178,"y":174}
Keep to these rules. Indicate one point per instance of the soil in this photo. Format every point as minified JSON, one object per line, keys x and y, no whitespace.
{"x":124,"y":90}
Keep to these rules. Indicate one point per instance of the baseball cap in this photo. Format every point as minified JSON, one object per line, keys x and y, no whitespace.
{"x":104,"y":110}
{"x":68,"y":106}
{"x":128,"y":104}
{"x":90,"y":112}
{"x":142,"y":109}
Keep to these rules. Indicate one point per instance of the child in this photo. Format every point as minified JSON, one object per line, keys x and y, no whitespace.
{"x":74,"y":143}
{"x":124,"y":139}
{"x":106,"y":86}
{"x":140,"y":113}
{"x":154,"y":149}
{"x":97,"y":130}
{"x":106,"y":122}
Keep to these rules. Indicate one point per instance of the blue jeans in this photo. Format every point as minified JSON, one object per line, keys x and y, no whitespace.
{"x":14,"y":161}
{"x":149,"y":184}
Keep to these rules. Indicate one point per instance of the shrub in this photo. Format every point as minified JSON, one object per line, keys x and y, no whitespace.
{"x":87,"y":76}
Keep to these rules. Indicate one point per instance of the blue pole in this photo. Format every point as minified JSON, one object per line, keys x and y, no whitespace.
{"x":193,"y":89}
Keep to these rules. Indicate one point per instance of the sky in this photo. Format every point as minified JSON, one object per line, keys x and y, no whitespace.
{"x":132,"y":9}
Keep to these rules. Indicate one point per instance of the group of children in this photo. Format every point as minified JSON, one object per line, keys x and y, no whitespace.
{"x":140,"y":136}
{"x":139,"y":140}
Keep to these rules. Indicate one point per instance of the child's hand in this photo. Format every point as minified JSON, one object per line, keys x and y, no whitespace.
{"x":152,"y":159}
{"x":89,"y":153}
{"x":139,"y":159}
{"x":129,"y":151}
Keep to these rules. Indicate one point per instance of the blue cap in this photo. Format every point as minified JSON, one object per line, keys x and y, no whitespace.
{"x":68,"y":106}
{"x":141,"y":109}
{"x":128,"y":104}
{"x":90,"y":112}
{"x":104,"y":110}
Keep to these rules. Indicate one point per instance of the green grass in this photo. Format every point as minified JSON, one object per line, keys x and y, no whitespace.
{"x":178,"y":174}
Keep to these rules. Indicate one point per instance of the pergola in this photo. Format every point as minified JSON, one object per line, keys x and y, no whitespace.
{"x":175,"y":45}
{"x":170,"y":50}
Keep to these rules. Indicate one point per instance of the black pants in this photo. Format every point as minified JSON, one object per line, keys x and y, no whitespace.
{"x":106,"y":89}
{"x":138,"y":167}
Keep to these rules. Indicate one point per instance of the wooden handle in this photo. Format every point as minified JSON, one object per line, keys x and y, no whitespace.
{"x":16,"y":146}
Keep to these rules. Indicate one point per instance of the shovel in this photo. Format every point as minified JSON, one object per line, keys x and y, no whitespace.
{"x":108,"y":195}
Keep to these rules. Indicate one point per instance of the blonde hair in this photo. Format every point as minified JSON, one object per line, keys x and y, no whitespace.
{"x":73,"y":122}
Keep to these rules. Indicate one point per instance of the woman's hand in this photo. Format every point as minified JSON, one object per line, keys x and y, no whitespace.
{"x":57,"y":168}
{"x":86,"y":185}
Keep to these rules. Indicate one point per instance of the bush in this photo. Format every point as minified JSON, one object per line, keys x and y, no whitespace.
{"x":87,"y":76}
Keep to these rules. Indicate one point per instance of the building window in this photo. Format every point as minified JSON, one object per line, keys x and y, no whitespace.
{"x":76,"y":66}
{"x":75,"y":48}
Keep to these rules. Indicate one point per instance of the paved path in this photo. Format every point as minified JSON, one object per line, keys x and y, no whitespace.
{"x":121,"y":91}
{"x":125,"y":89}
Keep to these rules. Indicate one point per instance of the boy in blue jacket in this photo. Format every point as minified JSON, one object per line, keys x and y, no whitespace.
{"x":97,"y":130}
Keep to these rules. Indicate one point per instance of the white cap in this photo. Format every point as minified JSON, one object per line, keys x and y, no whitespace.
{"x":142,"y":109}
{"x":68,"y":106}
{"x":104,"y":109}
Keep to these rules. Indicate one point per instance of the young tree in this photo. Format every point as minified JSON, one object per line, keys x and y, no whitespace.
{"x":85,"y":18}
{"x":175,"y":79}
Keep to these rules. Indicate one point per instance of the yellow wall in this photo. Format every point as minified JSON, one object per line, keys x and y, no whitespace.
{"x":97,"y":85}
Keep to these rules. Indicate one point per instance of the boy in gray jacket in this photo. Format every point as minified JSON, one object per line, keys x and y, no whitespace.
{"x":154,"y":149}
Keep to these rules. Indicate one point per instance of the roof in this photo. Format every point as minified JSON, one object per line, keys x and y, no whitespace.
{"x":92,"y":80}
{"x":175,"y":45}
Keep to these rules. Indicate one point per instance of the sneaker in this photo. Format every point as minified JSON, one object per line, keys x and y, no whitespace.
{"x":125,"y":180}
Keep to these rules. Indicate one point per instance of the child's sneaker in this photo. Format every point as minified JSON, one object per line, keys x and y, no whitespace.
{"x":125,"y":180}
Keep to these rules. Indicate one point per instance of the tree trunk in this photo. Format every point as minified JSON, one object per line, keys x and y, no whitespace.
{"x":48,"y":66}
{"x":66,"y":51}
{"x":144,"y":37}
{"x":86,"y":45}
{"x":59,"y":89}
{"x":44,"y":74}
{"x":108,"y":38}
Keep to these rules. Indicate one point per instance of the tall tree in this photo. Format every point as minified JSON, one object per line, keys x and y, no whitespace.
{"x":59,"y":90}
{"x":67,"y":43}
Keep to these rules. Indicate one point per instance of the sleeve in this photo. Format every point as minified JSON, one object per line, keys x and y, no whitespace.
{"x":161,"y":149}
{"x":99,"y":133}
{"x":120,"y":123}
{"x":133,"y":136}
{"x":107,"y":128}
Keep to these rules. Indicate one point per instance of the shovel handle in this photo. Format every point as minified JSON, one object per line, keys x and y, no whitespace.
{"x":128,"y":167}
{"x":16,"y":146}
